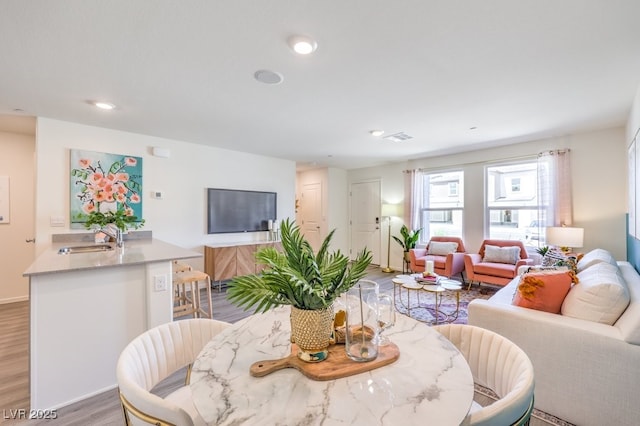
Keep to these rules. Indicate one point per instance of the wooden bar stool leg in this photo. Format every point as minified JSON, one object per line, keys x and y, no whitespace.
{"x":209,"y":300}
{"x":195,"y":296}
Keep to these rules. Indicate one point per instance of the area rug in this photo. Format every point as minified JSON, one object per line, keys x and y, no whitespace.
{"x":424,"y":308}
{"x":487,"y":396}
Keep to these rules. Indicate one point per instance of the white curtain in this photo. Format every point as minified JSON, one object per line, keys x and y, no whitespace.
{"x":412,"y":196}
{"x":554,"y":188}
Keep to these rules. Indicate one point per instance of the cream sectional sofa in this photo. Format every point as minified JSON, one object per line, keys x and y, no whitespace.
{"x":586,"y":371}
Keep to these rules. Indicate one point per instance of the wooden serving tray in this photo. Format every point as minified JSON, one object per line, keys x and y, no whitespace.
{"x":337,"y":364}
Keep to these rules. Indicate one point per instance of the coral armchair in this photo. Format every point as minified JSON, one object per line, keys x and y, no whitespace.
{"x":497,"y":267}
{"x":445,"y":262}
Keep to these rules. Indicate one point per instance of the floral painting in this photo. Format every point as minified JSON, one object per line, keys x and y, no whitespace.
{"x":105,"y":183}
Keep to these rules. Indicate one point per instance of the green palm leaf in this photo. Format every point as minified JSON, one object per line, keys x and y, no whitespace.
{"x":296,"y":276}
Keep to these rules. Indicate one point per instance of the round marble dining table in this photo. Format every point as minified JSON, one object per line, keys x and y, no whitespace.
{"x":430,"y":383}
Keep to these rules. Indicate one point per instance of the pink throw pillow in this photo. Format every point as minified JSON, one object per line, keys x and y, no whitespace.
{"x":543,"y":291}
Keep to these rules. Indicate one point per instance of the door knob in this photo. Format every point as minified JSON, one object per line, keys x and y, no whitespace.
{"x":30,"y":240}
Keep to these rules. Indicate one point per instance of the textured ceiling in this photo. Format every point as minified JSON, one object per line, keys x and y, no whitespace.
{"x":513,"y":70}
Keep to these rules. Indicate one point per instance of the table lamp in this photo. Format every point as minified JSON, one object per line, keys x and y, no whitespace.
{"x":388,"y":211}
{"x":565,"y":237}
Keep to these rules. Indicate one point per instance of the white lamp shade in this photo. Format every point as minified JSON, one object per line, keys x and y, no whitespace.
{"x":563,"y":236}
{"x":389,"y":210}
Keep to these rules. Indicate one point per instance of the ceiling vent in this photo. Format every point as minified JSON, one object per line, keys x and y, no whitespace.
{"x":398,"y":137}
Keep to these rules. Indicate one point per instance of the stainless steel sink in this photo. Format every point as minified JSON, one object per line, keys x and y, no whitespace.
{"x":85,"y":249}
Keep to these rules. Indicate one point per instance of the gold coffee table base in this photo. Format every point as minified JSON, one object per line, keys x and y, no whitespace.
{"x":410,"y":284}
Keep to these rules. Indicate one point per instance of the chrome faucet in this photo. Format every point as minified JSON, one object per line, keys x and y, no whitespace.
{"x":112,"y":232}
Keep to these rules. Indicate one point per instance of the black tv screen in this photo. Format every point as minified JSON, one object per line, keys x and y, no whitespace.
{"x":232,"y":210}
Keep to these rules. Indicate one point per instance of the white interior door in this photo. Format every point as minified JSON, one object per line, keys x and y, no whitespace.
{"x":365,"y":218}
{"x":311,"y":214}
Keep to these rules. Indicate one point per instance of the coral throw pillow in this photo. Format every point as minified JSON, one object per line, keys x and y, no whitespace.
{"x":543,"y":291}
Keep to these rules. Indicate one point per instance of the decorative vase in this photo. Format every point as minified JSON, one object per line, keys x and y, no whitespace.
{"x":311,"y":330}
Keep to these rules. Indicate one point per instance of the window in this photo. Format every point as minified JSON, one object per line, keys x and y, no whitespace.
{"x":453,"y":189}
{"x":513,"y":206}
{"x":441,"y":204}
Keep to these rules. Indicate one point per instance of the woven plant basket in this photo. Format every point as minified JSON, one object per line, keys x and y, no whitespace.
{"x":311,"y":330}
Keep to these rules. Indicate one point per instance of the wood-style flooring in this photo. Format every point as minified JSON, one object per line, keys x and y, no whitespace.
{"x":103,"y":409}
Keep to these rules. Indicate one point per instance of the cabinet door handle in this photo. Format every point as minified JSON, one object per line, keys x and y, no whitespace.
{"x":30,"y":240}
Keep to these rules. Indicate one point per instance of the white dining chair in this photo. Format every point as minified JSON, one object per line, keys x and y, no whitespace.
{"x":500,"y":365}
{"x":152,"y":357}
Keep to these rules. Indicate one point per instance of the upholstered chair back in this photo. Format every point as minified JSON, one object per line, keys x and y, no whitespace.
{"x":152,"y":357}
{"x":500,"y":365}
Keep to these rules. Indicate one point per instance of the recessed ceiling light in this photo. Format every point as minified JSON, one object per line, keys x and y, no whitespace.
{"x":302,"y":45}
{"x":376,"y":132}
{"x":104,"y":105}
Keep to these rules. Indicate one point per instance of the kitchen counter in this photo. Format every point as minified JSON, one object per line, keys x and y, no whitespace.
{"x":134,"y":252}
{"x":86,"y":307}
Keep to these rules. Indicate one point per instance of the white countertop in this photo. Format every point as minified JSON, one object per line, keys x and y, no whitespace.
{"x":134,"y":252}
{"x":430,"y":383}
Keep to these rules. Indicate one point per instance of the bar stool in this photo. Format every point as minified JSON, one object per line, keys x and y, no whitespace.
{"x":180,"y":267}
{"x":183,"y":304}
{"x":189,"y":281}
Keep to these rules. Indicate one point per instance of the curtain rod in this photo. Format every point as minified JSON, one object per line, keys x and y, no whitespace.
{"x":499,"y":160}
{"x":554,"y":152}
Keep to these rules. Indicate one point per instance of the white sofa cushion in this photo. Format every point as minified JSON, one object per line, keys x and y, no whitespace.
{"x":601,"y":295}
{"x":595,"y":256}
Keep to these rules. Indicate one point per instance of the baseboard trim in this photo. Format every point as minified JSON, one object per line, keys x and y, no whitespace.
{"x":14,"y":299}
{"x":84,"y":397}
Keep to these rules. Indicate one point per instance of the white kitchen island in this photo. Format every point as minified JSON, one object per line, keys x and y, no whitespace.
{"x":86,"y":307}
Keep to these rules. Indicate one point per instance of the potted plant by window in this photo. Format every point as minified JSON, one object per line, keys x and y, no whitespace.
{"x":408,"y":241}
{"x":308,"y":281}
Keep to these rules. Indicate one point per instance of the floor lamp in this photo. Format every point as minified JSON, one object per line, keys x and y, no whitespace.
{"x":388,"y":211}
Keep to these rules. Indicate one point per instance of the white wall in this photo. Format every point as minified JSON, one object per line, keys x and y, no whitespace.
{"x":16,"y":161}
{"x":180,"y":217}
{"x":599,"y":185}
{"x":633,"y":124}
{"x":338,"y":206}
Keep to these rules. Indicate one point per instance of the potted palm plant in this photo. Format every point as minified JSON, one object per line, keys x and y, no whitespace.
{"x":309,"y":282}
{"x":408,"y":241}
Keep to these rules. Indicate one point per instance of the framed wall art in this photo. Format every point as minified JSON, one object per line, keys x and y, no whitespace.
{"x":104,"y":182}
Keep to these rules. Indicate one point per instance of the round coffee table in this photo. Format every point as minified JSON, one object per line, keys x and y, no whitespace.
{"x":437,"y":290}
{"x":455,"y":286}
{"x":409,"y":283}
{"x":444,"y":285}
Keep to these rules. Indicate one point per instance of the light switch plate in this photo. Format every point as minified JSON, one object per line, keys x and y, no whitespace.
{"x":56,"y":221}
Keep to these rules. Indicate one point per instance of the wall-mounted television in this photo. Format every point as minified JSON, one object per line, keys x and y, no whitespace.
{"x":232,"y":210}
